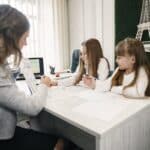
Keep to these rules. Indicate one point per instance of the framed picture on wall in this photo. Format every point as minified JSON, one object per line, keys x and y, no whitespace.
{"x":143,"y":28}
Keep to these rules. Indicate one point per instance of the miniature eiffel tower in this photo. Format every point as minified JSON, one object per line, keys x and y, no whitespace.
{"x":144,"y":23}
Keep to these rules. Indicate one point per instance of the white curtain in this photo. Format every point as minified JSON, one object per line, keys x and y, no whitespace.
{"x":61,"y":33}
{"x":48,"y":32}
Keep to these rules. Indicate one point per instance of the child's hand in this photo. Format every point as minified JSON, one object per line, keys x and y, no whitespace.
{"x":89,"y":81}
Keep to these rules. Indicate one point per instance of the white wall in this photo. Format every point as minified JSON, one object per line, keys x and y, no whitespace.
{"x":92,"y":19}
{"x":76,"y":23}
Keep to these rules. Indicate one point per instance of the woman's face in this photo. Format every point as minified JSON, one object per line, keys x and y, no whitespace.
{"x":83,"y":55}
{"x":23,"y":40}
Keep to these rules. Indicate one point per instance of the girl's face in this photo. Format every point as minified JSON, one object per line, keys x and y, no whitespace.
{"x":83,"y":55}
{"x":125,"y":62}
{"x":23,"y":40}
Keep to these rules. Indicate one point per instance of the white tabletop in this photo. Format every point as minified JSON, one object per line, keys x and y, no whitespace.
{"x":92,"y":112}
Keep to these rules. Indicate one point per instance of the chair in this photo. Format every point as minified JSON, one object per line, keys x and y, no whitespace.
{"x":110,"y":73}
{"x":75,"y":60}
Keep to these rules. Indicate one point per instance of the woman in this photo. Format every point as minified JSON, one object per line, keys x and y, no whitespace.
{"x":14,"y":30}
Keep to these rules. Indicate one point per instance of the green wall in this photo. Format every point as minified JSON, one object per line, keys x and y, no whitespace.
{"x":127,"y":16}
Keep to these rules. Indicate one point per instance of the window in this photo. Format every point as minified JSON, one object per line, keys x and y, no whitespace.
{"x":41,"y":40}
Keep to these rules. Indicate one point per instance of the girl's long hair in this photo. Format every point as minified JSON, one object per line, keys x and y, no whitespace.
{"x":132,"y":47}
{"x":94,"y":53}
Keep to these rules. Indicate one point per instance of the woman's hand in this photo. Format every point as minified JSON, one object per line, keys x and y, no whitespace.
{"x":89,"y":81}
{"x":54,"y":83}
{"x":46,"y":80}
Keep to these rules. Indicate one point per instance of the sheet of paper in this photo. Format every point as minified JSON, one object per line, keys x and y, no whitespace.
{"x":28,"y":74}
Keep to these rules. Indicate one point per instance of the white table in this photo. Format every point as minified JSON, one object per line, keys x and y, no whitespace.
{"x":108,"y":121}
{"x":97,"y":121}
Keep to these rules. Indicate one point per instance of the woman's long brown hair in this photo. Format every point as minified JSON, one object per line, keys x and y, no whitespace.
{"x":13,"y":24}
{"x":94,"y":53}
{"x":132,"y":47}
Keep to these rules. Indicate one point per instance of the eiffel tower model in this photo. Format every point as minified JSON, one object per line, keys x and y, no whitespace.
{"x":144,"y":23}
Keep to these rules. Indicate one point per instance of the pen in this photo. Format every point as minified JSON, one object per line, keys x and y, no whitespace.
{"x":87,"y":71}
